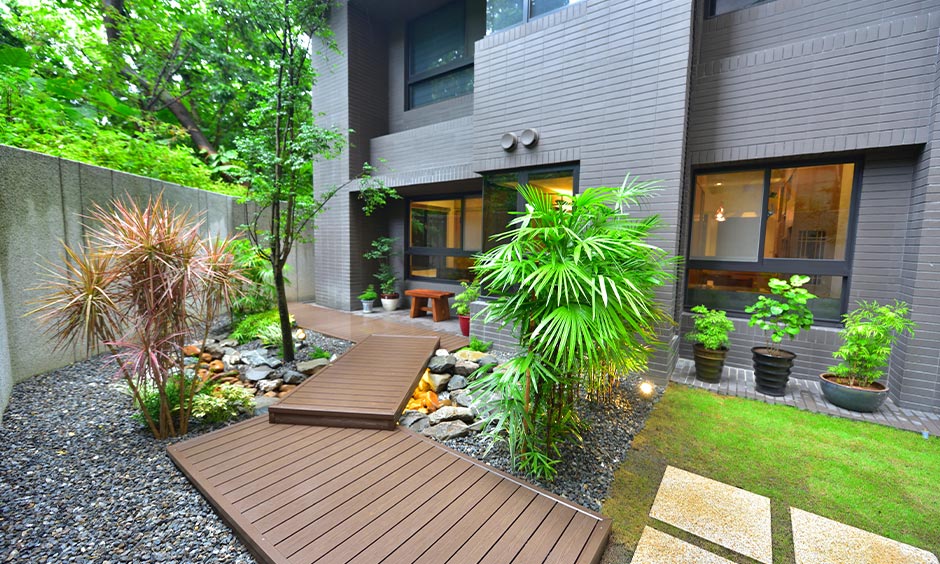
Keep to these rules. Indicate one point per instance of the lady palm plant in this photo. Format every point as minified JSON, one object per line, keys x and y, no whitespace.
{"x":576,"y":280}
{"x":145,"y":284}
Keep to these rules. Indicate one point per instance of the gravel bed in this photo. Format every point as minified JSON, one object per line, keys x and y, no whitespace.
{"x":80,"y":481}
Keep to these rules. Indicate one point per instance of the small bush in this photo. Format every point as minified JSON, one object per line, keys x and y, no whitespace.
{"x":216,"y":404}
{"x":319,"y":353}
{"x":712,"y":327}
{"x":478,"y":345}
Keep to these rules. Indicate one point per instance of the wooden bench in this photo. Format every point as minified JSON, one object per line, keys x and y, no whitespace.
{"x":440,"y":309}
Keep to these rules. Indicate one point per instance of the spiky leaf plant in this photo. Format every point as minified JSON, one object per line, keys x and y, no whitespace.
{"x":144,"y":285}
{"x":576,"y":279}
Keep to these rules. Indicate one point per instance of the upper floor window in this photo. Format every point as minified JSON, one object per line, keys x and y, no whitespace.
{"x":752,"y":225}
{"x":718,"y":7}
{"x":501,"y":14}
{"x":440,"y":53}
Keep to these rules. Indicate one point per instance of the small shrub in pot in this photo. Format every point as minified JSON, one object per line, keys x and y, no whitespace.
{"x":710,"y":335}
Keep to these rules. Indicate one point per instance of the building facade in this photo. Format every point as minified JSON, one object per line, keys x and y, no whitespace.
{"x":790,"y":136}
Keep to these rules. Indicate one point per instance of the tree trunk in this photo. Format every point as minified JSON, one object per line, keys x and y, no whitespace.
{"x":287,"y":336}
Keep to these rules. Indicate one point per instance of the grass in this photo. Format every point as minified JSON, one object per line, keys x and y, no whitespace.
{"x":873,"y":477}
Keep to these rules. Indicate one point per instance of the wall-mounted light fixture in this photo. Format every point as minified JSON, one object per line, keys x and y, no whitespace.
{"x":508,"y":141}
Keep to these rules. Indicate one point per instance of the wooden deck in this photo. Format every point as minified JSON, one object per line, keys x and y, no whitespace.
{"x":302,"y":494}
{"x":367,"y":387}
{"x":352,"y":327}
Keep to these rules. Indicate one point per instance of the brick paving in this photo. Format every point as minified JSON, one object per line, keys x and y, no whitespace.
{"x":806,"y":395}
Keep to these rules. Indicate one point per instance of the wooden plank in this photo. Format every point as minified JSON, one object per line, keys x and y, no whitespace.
{"x":573,"y":540}
{"x":542,"y":541}
{"x":517,"y":535}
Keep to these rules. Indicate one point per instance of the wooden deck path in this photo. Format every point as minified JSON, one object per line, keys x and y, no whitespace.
{"x":352,"y":327}
{"x":299,"y":494}
{"x":367,"y":387}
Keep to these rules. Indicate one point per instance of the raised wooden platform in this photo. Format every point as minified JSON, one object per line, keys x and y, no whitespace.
{"x":302,"y":494}
{"x":366,"y":388}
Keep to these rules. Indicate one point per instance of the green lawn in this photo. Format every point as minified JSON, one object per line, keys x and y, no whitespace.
{"x":873,"y":477}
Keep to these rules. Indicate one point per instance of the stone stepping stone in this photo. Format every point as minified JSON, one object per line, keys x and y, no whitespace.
{"x":725,"y":515}
{"x":656,"y":547}
{"x":818,"y":540}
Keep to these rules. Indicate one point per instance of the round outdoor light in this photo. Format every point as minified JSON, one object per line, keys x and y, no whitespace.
{"x":529,"y":137}
{"x":508,"y":141}
{"x":647,"y":389}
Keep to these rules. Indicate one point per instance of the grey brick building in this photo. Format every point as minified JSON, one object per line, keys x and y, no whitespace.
{"x":791,"y":136}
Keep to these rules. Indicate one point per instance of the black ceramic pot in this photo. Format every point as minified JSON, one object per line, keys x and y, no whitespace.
{"x":772,"y":371}
{"x":709,"y":363}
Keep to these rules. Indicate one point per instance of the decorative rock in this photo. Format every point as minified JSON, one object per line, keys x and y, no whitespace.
{"x":452,"y":413}
{"x":270,"y":394}
{"x":273,"y":362}
{"x":439,"y":381}
{"x":257,"y":358}
{"x":216,"y":366}
{"x":300,"y":335}
{"x":293,"y":377}
{"x":262,"y":403}
{"x":229,"y":351}
{"x":441,"y":352}
{"x":215,"y":350}
{"x":205,"y":357}
{"x":258,"y":373}
{"x":447,"y":430}
{"x":269,"y":385}
{"x":232,"y":359}
{"x":467,"y":354}
{"x":311,"y":366}
{"x":287,"y":387}
{"x":191,"y":350}
{"x":442,"y":364}
{"x":463,"y":399}
{"x":488,"y":360}
{"x":458,"y":382}
{"x":203,"y":374}
{"x":414,"y":420}
{"x":465,"y":367}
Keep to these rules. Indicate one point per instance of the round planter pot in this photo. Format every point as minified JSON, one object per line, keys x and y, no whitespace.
{"x":390,"y":302}
{"x":464,"y":324}
{"x":853,"y":398}
{"x":366,"y":306}
{"x":709,"y":363}
{"x":772,"y":372}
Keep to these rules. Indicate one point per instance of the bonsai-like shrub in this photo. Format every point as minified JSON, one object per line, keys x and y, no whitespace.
{"x":576,"y":279}
{"x":712,"y":327}
{"x":145,"y":285}
{"x":382,"y":250}
{"x":463,"y":300}
{"x":783,"y":316}
{"x":368,"y":294}
{"x":869,"y":334}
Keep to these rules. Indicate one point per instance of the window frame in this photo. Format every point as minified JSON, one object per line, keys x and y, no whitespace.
{"x":528,"y":17}
{"x":711,"y":8}
{"x":810,"y":267}
{"x":438,"y":251}
{"x":412,"y":79}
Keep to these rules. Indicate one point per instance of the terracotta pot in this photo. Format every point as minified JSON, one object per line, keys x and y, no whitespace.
{"x":772,"y":372}
{"x":709,"y":363}
{"x":853,"y":398}
{"x":464,"y":324}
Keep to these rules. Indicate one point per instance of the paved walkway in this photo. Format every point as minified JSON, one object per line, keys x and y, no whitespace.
{"x":807,"y":395}
{"x":740,"y":521}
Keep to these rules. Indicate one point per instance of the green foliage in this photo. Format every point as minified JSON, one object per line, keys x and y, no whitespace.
{"x":463,"y":300}
{"x":211,"y":403}
{"x":368,"y":294}
{"x":319,"y":353}
{"x":258,"y":294}
{"x":869,"y":334}
{"x":383,"y":249}
{"x":784,"y":316}
{"x":711,"y":328}
{"x":479,"y":345}
{"x":577,"y":280}
{"x":259,"y":326}
{"x":373,"y":192}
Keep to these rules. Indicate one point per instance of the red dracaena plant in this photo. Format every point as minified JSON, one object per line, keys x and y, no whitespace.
{"x":145,"y":284}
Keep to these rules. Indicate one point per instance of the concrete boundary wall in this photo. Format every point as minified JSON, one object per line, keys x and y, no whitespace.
{"x":42,"y":201}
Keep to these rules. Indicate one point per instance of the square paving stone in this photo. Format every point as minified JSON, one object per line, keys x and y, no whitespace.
{"x":656,"y":547}
{"x":731,"y":517}
{"x":818,"y":540}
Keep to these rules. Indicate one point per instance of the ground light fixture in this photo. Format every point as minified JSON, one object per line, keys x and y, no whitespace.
{"x":647,"y":389}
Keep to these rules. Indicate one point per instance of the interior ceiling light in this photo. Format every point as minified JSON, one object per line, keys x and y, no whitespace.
{"x":720,"y":214}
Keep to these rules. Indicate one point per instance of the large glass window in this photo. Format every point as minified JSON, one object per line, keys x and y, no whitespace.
{"x":501,"y":196}
{"x":501,"y":14}
{"x":440,"y":54}
{"x":749,"y":226}
{"x":443,"y":236}
{"x":718,"y":7}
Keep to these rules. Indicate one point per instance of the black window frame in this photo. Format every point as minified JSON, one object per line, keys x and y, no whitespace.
{"x":528,"y":17}
{"x":522,"y":178}
{"x":809,"y":267}
{"x":438,"y":251}
{"x":412,"y":79}
{"x":711,"y":8}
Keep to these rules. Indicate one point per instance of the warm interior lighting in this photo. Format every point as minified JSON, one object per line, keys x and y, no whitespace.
{"x":720,"y":214}
{"x":647,"y":389}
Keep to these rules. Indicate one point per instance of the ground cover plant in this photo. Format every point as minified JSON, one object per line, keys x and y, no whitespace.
{"x":265,"y":325}
{"x":869,"y":476}
{"x":576,"y":278}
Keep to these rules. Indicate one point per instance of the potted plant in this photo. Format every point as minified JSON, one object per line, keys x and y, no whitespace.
{"x":785,"y":315}
{"x":367,"y":297}
{"x":382,"y":249}
{"x":462,"y":303}
{"x":869,"y":334}
{"x":710,"y":336}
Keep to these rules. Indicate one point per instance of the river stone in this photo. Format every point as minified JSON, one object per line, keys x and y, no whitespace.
{"x":467,"y":354}
{"x":439,"y":382}
{"x":253,"y":357}
{"x":465,"y":367}
{"x":451,"y":413}
{"x":258,"y":373}
{"x":447,"y":430}
{"x":311,"y":366}
{"x":442,"y":364}
{"x":488,"y":360}
{"x":293,"y":377}
{"x":269,"y":385}
{"x":441,"y":352}
{"x":458,"y":382}
{"x":215,"y":350}
{"x":462,"y":398}
{"x":414,"y":420}
{"x":228,"y":343}
{"x":231,"y":360}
